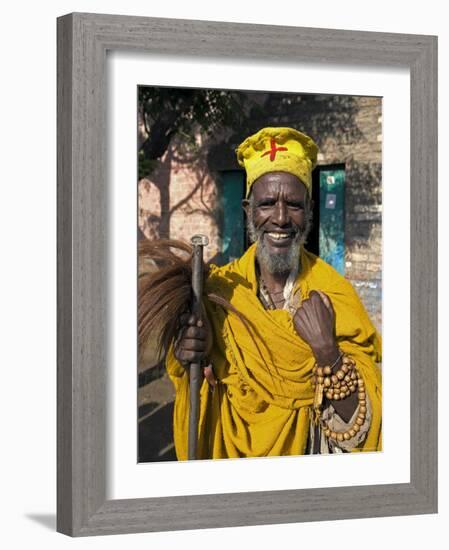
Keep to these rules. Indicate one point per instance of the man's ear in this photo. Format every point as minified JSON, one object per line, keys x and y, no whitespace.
{"x":246,"y":206}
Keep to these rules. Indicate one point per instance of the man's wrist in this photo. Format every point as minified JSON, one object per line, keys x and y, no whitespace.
{"x":328,"y":355}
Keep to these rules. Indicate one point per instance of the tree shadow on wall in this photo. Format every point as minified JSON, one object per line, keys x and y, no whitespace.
{"x":331,"y":120}
{"x":337,"y":125}
{"x":194,"y":197}
{"x":327,"y":119}
{"x":330,"y":117}
{"x":363,"y":196}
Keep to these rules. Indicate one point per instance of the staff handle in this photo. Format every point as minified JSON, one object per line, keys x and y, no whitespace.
{"x":198,"y":242}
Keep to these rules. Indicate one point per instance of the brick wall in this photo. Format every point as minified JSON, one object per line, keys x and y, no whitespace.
{"x":180,"y":197}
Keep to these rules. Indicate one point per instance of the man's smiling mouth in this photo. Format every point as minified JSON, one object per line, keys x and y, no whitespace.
{"x":279,"y":236}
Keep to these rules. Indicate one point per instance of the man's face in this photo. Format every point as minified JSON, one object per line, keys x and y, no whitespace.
{"x":278,"y":219}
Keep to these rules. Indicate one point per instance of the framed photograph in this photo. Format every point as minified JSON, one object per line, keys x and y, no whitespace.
{"x":117,"y":468}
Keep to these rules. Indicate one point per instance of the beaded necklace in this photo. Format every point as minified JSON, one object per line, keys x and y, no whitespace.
{"x":269,"y":302}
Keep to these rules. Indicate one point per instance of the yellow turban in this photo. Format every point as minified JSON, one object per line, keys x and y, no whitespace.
{"x":278,"y":150}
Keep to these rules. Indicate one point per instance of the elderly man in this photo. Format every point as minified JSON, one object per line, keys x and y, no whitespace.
{"x":292,"y":366}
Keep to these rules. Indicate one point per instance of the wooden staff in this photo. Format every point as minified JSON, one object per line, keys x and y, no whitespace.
{"x":195,"y":377}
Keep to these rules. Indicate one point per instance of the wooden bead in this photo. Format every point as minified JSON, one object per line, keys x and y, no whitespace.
{"x":327,"y":382}
{"x":359,"y":421}
{"x":337,"y":385}
{"x":347,"y":436}
{"x":345,"y":368}
{"x":362,"y":409}
{"x":333,"y":435}
{"x":320,"y":379}
{"x":327,"y":371}
{"x":346,"y":360}
{"x":344,"y":388}
{"x":340,"y":437}
{"x":351,"y":432}
{"x":347,"y":379}
{"x":336,"y":396}
{"x":327,"y":432}
{"x":356,"y":428}
{"x":340,"y":375}
{"x":319,"y":371}
{"x":362,"y":395}
{"x":330,"y":394}
{"x":353,"y":375}
{"x":334,"y":379}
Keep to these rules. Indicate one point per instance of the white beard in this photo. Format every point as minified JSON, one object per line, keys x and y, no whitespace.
{"x":278,"y":263}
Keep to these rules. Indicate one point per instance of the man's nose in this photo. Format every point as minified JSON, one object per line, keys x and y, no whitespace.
{"x":281,"y":216}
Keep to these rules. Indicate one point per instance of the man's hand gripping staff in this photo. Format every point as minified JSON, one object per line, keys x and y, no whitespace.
{"x":194,"y":343}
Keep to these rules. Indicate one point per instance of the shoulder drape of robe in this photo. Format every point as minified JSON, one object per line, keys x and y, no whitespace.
{"x":262,"y":405}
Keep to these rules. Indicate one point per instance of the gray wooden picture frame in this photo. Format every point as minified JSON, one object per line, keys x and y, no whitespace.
{"x":83,"y":40}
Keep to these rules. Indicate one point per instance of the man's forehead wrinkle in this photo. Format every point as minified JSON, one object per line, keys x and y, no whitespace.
{"x":276,"y":192}
{"x":274,"y":184}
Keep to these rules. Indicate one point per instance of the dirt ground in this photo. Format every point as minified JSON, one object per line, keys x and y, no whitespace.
{"x":156,"y":397}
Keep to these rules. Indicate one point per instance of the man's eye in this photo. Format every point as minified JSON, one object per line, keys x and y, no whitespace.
{"x":296,"y":206}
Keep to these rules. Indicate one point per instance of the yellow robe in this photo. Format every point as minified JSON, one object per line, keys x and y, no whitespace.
{"x":263,"y":403}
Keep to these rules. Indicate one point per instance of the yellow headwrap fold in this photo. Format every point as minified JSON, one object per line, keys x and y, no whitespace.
{"x":278,"y":150}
